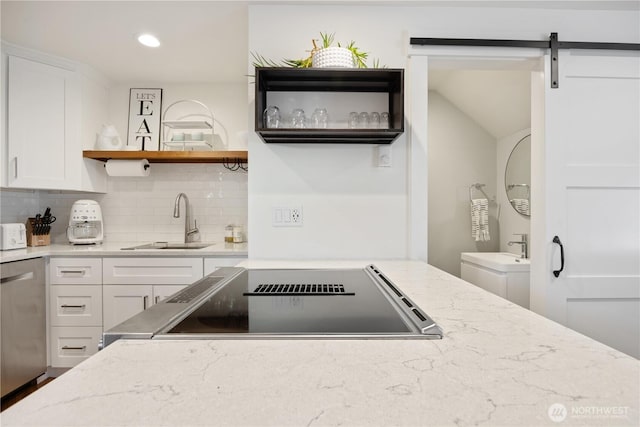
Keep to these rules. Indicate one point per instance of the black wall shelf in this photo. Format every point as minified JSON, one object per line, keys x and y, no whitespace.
{"x":345,"y":80}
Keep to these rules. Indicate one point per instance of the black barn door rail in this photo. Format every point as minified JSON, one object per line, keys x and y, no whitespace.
{"x":553,"y":43}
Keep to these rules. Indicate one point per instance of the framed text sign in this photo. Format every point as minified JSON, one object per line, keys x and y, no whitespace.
{"x":145,"y":108}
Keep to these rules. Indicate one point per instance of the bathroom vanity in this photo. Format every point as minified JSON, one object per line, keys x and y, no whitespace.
{"x":500,"y":273}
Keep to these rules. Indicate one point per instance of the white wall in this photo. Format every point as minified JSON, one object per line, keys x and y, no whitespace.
{"x":227,"y":102}
{"x":510,"y":221}
{"x":140,"y":210}
{"x":461,"y":152}
{"x":352,"y":209}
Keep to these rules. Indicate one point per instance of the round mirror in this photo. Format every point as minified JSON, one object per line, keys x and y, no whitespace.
{"x":517,"y":177}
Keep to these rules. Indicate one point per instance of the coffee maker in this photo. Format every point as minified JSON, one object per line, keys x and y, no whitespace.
{"x":85,"y":223}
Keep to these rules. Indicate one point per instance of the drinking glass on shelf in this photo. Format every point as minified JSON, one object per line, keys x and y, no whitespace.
{"x":320,"y":118}
{"x":298,"y":118}
{"x":384,"y":120}
{"x":353,"y":120}
{"x":363,"y":120}
{"x":271,"y":117}
{"x":375,"y":120}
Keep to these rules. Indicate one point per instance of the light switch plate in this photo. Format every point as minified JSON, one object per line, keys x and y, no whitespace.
{"x":286,"y":216}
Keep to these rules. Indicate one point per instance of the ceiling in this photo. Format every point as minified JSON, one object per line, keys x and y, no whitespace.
{"x":202,"y":41}
{"x":498,"y":100}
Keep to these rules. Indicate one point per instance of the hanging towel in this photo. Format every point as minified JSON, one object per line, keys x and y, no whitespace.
{"x":480,"y":220}
{"x":521,"y":205}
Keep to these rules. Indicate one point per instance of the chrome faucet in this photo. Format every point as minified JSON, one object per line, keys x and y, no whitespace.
{"x":524,"y":244}
{"x":190,"y":234}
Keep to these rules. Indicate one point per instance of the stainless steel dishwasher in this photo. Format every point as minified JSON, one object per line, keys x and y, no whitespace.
{"x":23,"y":323}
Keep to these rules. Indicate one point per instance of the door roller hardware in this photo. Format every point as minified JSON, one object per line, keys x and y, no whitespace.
{"x":554,"y":44}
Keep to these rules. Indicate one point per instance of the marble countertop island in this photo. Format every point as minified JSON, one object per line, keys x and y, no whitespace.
{"x":498,"y":365}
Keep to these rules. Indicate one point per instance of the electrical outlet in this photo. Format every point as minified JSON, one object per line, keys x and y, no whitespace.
{"x":296,"y":216}
{"x":286,"y":216}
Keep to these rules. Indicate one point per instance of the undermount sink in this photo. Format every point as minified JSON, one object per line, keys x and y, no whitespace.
{"x":168,"y":245}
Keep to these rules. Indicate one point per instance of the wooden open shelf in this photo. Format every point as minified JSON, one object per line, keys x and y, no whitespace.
{"x":169,"y":156}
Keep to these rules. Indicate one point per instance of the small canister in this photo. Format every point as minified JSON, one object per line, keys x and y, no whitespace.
{"x":238,"y":235}
{"x":228,"y":234}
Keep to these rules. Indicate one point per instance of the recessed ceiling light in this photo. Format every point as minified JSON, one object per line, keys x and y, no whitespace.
{"x":149,"y":40}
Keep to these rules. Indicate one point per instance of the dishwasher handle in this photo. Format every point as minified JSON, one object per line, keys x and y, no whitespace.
{"x":15,"y":278}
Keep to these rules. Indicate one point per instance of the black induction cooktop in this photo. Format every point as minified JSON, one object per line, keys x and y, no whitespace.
{"x":283,"y":303}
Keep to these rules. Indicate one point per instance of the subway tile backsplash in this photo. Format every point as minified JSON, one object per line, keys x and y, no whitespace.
{"x":140,"y":209}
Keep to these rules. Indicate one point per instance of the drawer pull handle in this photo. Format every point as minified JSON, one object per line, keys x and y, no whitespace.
{"x":145,"y":301}
{"x":157,"y":299}
{"x":73,"y":306}
{"x":81,"y":272}
{"x":82,"y":348}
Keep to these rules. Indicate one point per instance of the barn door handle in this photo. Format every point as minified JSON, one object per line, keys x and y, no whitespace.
{"x":556,"y":239}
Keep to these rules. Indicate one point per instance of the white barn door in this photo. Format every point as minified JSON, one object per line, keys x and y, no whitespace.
{"x":592,"y":203}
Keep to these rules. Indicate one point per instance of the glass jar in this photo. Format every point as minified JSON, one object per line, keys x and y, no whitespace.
{"x":228,"y":234}
{"x":238,"y":235}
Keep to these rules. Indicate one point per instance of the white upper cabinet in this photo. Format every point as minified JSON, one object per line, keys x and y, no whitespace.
{"x":44,"y":111}
{"x":42,"y":135}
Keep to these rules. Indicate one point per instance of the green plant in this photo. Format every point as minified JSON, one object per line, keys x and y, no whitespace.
{"x":327,"y":41}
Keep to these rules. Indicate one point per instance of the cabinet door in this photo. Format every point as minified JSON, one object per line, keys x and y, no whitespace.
{"x":43,"y":148}
{"x":162,"y":292}
{"x":120,"y":302}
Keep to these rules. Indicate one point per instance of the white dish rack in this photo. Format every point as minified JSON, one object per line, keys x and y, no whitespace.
{"x":170,"y":127}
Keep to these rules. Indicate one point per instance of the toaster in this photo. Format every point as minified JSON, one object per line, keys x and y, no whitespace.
{"x":13,"y":236}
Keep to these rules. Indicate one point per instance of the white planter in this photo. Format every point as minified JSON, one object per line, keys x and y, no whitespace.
{"x":333,"y":57}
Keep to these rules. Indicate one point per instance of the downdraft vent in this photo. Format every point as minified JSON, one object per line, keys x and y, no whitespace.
{"x":193,"y":291}
{"x":271,"y":289}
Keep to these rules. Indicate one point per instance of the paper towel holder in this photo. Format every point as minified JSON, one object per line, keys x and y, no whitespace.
{"x":145,"y":166}
{"x":127,"y":167}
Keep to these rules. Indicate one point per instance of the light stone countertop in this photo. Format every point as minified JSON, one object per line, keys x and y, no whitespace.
{"x":498,"y":364}
{"x":115,"y":249}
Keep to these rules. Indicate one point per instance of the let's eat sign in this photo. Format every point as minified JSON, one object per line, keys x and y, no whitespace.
{"x":145,"y":107}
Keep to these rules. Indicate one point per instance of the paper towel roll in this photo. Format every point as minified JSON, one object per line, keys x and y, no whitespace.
{"x":128,"y":167}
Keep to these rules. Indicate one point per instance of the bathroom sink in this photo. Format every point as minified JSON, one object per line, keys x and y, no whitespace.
{"x":499,"y":261}
{"x":168,"y":245}
{"x":500,"y":273}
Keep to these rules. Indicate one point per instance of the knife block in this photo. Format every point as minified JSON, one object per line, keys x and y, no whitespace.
{"x":36,"y":239}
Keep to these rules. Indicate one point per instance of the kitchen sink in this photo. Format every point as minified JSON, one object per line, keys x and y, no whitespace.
{"x":168,"y":245}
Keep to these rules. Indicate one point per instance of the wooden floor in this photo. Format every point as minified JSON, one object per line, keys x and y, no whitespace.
{"x":22,"y":392}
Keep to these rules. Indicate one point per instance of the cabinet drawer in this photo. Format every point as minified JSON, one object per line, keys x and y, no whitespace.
{"x":151,"y":271}
{"x":73,"y":305}
{"x":75,"y":271}
{"x":72,"y":345}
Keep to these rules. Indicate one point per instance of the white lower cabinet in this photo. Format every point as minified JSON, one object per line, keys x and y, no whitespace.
{"x":122,"y":302}
{"x":131,"y":285}
{"x":75,"y":309}
{"x":89,"y":295}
